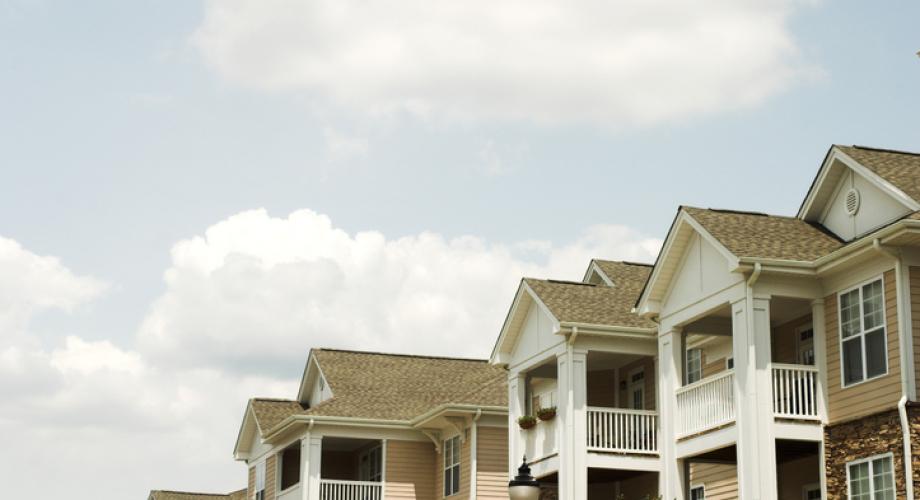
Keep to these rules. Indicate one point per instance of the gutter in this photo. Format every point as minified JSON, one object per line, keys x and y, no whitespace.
{"x":905,"y":439}
{"x":754,"y":275}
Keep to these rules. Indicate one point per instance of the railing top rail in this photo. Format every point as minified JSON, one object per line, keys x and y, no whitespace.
{"x":356,"y":483}
{"x":789,"y":366}
{"x":705,"y":381}
{"x":624,"y":411}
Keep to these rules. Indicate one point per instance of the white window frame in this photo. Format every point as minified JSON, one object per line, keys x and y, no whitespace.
{"x":697,"y":487}
{"x":374,"y":464}
{"x":811,"y":326}
{"x":453,"y":442}
{"x":687,"y":365}
{"x":862,"y":332}
{"x":259,"y":494}
{"x":808,"y":488}
{"x":871,"y":459}
{"x":634,"y":385}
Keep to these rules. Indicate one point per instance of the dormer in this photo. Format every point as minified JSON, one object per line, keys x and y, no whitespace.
{"x":314,"y":388}
{"x":859,"y":189}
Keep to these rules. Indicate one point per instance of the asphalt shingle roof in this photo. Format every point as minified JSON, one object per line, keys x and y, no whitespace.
{"x":392,"y":387}
{"x":747,"y":234}
{"x":901,"y":169}
{"x":571,"y":302}
{"x":185,"y":495}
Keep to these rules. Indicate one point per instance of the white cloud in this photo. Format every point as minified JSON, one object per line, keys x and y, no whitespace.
{"x":255,"y":292}
{"x":341,"y":147}
{"x":613,"y":63}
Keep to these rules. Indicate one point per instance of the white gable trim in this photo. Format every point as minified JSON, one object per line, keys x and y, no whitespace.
{"x":248,"y":429}
{"x":309,"y":376}
{"x":647,"y":306}
{"x":808,"y":209}
{"x":500,"y":351}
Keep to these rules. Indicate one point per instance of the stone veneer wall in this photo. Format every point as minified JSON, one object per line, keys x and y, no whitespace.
{"x":913,"y":415}
{"x":862,"y":438}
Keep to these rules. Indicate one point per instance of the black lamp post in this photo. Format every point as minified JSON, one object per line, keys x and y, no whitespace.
{"x":524,"y":486}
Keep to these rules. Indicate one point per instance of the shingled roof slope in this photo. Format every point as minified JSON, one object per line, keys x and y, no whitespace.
{"x":625,"y":274}
{"x":186,"y":495}
{"x":392,"y":387}
{"x":571,"y":302}
{"x":900,"y":168}
{"x":748,"y":234}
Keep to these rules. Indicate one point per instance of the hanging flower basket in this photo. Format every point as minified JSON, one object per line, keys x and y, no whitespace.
{"x":545,"y":414}
{"x":527,"y":421}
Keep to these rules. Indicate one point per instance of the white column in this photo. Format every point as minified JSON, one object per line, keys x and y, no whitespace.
{"x":516,"y":389}
{"x":311,"y":454}
{"x":754,"y":398}
{"x":572,"y":438}
{"x":820,"y":345}
{"x":669,"y":377}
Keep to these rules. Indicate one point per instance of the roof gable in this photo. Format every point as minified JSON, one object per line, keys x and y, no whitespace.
{"x":895,"y":173}
{"x":883,"y":186}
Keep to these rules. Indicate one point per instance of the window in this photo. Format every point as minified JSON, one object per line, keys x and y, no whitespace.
{"x":871,"y":479}
{"x":370,"y":465}
{"x":697,"y":493}
{"x":637,"y":389}
{"x":730,"y":363}
{"x":811,"y":492}
{"x":290,"y":466}
{"x":260,"y":481}
{"x":862,"y":333}
{"x":452,"y":466}
{"x":806,"y":346}
{"x":694,"y":365}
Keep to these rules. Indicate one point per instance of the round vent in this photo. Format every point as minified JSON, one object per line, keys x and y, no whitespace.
{"x":852,"y":201}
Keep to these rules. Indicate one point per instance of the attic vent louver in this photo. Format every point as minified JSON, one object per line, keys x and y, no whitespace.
{"x":852,"y":201}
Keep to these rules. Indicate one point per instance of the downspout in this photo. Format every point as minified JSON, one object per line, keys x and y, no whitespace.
{"x":754,"y":275}
{"x":902,"y":403}
{"x":574,"y":335}
{"x":908,"y":457}
{"x":474,"y":447}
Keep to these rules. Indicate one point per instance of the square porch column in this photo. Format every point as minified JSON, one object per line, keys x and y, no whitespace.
{"x":517,"y":386}
{"x":572,"y":384}
{"x":311,"y":455}
{"x":670,"y":374}
{"x":756,"y":445}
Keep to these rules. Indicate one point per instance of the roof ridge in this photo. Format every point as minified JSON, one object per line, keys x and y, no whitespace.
{"x":196,"y":493}
{"x":274,"y":400}
{"x":401,"y":355}
{"x":567,"y":282}
{"x":886,"y":150}
{"x":627,"y":262}
{"x":741,"y":212}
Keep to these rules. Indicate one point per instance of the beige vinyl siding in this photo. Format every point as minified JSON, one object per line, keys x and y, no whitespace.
{"x":712,"y":356}
{"x":410,"y":471}
{"x":785,"y":340}
{"x":713,"y":368}
{"x":492,"y":463}
{"x":720,"y":480}
{"x":915,"y":317}
{"x":877,"y":394}
{"x":251,"y":484}
{"x":795,"y":475}
{"x":602,"y":388}
{"x":464,"y":493}
{"x":648,"y":365}
{"x":271,"y":476}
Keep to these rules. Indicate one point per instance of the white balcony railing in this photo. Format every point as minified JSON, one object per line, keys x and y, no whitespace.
{"x":333,"y":489}
{"x":622,"y":430}
{"x":705,"y":404}
{"x":795,"y":393}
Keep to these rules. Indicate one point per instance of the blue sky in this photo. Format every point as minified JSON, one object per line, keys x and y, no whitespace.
{"x":129,"y":127}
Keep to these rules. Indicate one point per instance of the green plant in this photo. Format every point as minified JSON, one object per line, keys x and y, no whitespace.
{"x":526,"y":421}
{"x":546,"y":413}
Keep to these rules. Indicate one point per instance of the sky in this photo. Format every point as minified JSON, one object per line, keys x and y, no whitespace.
{"x":194,"y":193}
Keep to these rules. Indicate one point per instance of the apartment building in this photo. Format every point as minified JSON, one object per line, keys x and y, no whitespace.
{"x":761,"y":357}
{"x":369,"y":426}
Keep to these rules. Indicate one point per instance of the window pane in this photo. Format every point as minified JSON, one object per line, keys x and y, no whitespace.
{"x":849,"y":313}
{"x":883,"y":479}
{"x":852,"y":360}
{"x":876,"y":353}
{"x":455,"y":476}
{"x":859,"y":482}
{"x":873,"y":309}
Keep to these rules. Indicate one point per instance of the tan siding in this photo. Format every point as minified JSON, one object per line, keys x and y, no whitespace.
{"x":648,"y":366}
{"x":868,"y":397}
{"x":785,"y":342}
{"x":713,"y":368}
{"x":251,"y":484}
{"x":795,"y":475}
{"x":271,"y":476}
{"x":492,"y":463}
{"x":915,"y":317}
{"x":720,"y":481}
{"x":410,"y":471}
{"x":602,"y":388}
